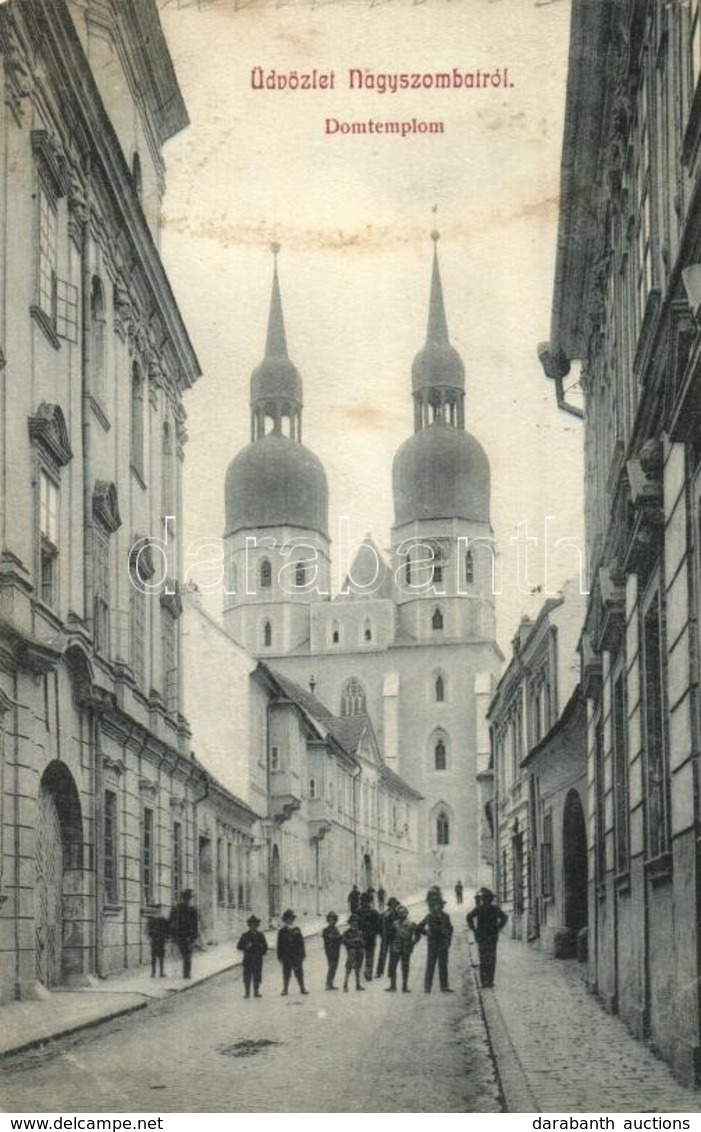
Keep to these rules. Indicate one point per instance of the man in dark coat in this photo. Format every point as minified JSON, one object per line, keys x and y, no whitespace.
{"x":439,"y":931}
{"x":254,"y":945}
{"x":183,"y":928}
{"x":388,"y":918}
{"x":459,"y":892}
{"x":485,"y":921}
{"x":370,"y":925}
{"x":354,"y":900}
{"x":291,"y":951}
{"x":158,"y":930}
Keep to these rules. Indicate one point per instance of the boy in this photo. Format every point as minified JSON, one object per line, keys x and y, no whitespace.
{"x":354,"y":944}
{"x":254,"y":945}
{"x":158,"y":930}
{"x":401,"y":945}
{"x":332,"y":947}
{"x":291,"y":952}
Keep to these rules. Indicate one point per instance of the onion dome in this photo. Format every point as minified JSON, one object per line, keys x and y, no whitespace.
{"x":441,"y":473}
{"x":276,"y":482}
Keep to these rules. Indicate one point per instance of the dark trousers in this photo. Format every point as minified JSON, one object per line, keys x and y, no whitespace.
{"x":332,"y":968}
{"x":392,"y":971}
{"x":252,"y":973}
{"x":185,"y":949}
{"x":437,"y":953}
{"x":458,"y":896}
{"x":487,"y":949}
{"x":354,"y":962}
{"x":158,"y":953}
{"x":369,"y":959}
{"x":382,"y":958}
{"x":289,"y":967}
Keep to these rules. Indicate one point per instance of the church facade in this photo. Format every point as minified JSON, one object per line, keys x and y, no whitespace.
{"x":410,"y":640}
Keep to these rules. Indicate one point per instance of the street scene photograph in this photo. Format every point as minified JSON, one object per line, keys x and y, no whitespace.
{"x":350,"y":558}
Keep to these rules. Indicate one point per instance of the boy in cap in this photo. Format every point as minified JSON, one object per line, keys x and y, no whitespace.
{"x":291,"y":951}
{"x":332,"y":946}
{"x":254,"y":945}
{"x":401,"y":945}
{"x":158,"y":930}
{"x":354,"y":944}
{"x":485,"y":921}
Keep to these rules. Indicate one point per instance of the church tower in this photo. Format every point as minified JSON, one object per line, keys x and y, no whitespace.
{"x":442,"y":538}
{"x":276,"y":495}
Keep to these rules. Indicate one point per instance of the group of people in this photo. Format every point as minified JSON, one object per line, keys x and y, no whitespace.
{"x":398,"y":935}
{"x":389,"y":923}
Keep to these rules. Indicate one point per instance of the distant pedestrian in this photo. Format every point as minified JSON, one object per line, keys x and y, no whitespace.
{"x":439,"y":931}
{"x":158,"y":930}
{"x":352,"y":940}
{"x":388,"y":917}
{"x":332,"y":947}
{"x":354,"y":899}
{"x":254,"y":945}
{"x":458,"y":892}
{"x":434,"y":898}
{"x":404,"y":936}
{"x":370,"y":924}
{"x":486,"y":921}
{"x":291,"y":952}
{"x":381,"y":894}
{"x":184,"y":929}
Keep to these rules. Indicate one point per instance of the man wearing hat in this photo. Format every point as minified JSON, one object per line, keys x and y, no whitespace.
{"x":389,"y":917}
{"x":254,"y":945}
{"x":291,"y":951}
{"x":485,"y":921}
{"x":184,"y":928}
{"x":439,"y":932}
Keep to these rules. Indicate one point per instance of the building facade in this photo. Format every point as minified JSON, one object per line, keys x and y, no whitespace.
{"x":410,"y":639}
{"x":102,"y":802}
{"x":539,"y":779}
{"x":626,"y":306}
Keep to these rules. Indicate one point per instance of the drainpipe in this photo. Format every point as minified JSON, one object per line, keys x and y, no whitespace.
{"x":556,"y":368}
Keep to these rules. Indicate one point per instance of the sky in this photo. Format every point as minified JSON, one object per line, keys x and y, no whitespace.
{"x":353,"y":215}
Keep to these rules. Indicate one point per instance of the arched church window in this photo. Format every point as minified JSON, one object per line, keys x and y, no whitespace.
{"x":335,"y":633}
{"x":300,"y":575}
{"x":367,"y":631}
{"x":442,"y":828}
{"x":437,"y":576}
{"x":407,"y":570}
{"x":266,"y":574}
{"x":439,"y":756}
{"x":353,"y":698}
{"x":437,"y":620}
{"x":440,"y":689}
{"x":267,"y":634}
{"x":469,"y":567}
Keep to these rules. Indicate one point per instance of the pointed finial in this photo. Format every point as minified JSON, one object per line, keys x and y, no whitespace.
{"x":276,"y":341}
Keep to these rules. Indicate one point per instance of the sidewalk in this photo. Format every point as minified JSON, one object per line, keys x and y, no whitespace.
{"x":557,"y":1050}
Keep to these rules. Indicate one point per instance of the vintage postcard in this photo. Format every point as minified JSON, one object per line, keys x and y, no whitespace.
{"x":350,"y":559}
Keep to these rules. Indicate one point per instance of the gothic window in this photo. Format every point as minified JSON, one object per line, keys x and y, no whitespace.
{"x":300,"y":575}
{"x":267,"y":635}
{"x":437,"y":576}
{"x":437,"y":620}
{"x":353,"y":698}
{"x":137,"y":420}
{"x":266,"y":574}
{"x":407,"y":570}
{"x":367,"y":631}
{"x":469,"y":567}
{"x":442,"y":828}
{"x":335,"y":633}
{"x":440,"y":689}
{"x":439,"y":756}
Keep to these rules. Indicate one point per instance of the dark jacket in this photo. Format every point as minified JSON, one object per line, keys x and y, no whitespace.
{"x":370,"y":925}
{"x":184,"y":923}
{"x":158,"y":930}
{"x":438,"y":928}
{"x":290,"y":944}
{"x":252,"y":943}
{"x":486,"y":921}
{"x":353,"y":941}
{"x":332,"y":942}
{"x":354,"y":900}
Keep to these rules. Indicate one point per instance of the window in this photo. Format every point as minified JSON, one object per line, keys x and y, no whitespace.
{"x":275,"y":758}
{"x":600,"y":803}
{"x":656,"y":762}
{"x":312,"y":788}
{"x":440,"y":757}
{"x":48,"y":224}
{"x":546,"y":856}
{"x":147,"y":859}
{"x":48,"y":531}
{"x":167,"y":485}
{"x":440,"y":689}
{"x":367,"y":631}
{"x":137,"y":420}
{"x":437,"y":620}
{"x":221,"y":878}
{"x":137,"y":604}
{"x":442,"y":829}
{"x":469,"y":567}
{"x":230,"y":895}
{"x":110,"y":849}
{"x":97,"y":337}
{"x":170,"y":661}
{"x":177,"y":861}
{"x":353,"y":701}
{"x":407,"y":570}
{"x":266,"y":574}
{"x":644,"y":208}
{"x":300,"y":575}
{"x":267,"y":635}
{"x":335,"y":634}
{"x":620,"y":773}
{"x":101,"y":591}
{"x":437,"y":572}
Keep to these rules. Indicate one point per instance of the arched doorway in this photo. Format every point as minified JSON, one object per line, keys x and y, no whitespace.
{"x":574,"y":855}
{"x":58,"y":888}
{"x":275,"y":884}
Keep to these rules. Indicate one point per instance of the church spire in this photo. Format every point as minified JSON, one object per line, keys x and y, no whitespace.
{"x":438,"y":375}
{"x":276,"y":387}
